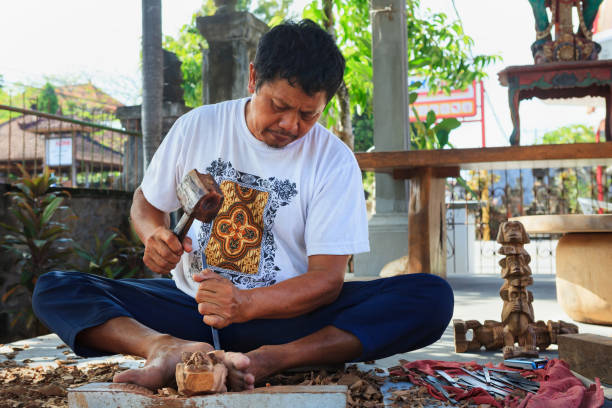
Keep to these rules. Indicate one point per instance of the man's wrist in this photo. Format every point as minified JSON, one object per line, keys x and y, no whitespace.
{"x":248,"y":306}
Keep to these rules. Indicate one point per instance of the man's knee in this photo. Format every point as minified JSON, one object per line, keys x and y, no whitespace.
{"x":47,"y":291}
{"x":433,"y":299}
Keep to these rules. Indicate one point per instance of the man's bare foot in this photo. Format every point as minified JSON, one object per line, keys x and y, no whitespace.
{"x":244,"y":370}
{"x":239,"y":376}
{"x":161,"y":362}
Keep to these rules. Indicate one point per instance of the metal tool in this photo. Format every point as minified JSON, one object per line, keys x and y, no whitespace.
{"x":447,"y":377}
{"x":485,"y":370}
{"x":436,"y":384}
{"x":201,"y":199}
{"x":478,"y":382}
{"x":513,"y":381}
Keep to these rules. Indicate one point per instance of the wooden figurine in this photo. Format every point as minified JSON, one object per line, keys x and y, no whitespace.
{"x":567,"y":44}
{"x":490,"y":335}
{"x":518,"y":323}
{"x":201,"y":373}
{"x":517,"y":312}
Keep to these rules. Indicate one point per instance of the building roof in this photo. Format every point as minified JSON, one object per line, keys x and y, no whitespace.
{"x":22,"y":139}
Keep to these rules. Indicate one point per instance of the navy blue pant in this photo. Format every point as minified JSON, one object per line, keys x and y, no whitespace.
{"x":389,"y":316}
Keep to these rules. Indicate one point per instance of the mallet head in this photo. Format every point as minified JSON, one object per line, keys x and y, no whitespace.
{"x":201,"y":199}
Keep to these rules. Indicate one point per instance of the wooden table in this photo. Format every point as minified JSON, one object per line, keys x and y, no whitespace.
{"x":427,"y":170}
{"x":583,"y":260}
{"x":574,"y":79}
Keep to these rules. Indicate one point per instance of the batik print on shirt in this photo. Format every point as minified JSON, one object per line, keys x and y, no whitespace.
{"x":239,"y":243}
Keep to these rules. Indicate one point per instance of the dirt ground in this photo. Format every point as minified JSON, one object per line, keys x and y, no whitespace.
{"x":22,"y":386}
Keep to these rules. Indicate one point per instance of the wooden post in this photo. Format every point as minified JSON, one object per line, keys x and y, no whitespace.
{"x":426,"y":219}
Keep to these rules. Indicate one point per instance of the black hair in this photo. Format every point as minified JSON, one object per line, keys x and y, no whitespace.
{"x":301,"y":53}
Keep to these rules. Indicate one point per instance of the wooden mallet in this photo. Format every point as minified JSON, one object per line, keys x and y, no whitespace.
{"x":201,"y":199}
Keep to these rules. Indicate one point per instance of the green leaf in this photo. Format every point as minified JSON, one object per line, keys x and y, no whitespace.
{"x":467,"y":188}
{"x":448,"y":124}
{"x":412,"y":97}
{"x":8,"y":227}
{"x":50,"y":209}
{"x":442,"y":136}
{"x":431,"y":118}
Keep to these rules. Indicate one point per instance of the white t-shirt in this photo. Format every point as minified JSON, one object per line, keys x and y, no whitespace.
{"x":281,"y":204}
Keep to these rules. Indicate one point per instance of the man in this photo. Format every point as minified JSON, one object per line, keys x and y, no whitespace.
{"x":268,"y":272}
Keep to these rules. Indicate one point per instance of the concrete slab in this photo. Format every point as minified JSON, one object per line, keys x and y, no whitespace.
{"x":109,"y":395}
{"x":50,"y":351}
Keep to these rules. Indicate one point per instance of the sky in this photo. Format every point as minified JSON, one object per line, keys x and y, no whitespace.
{"x":100,"y":41}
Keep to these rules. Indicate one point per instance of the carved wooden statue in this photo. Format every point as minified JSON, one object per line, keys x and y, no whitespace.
{"x":567,"y":45}
{"x":517,"y":315}
{"x":518,"y":332}
{"x":517,"y":312}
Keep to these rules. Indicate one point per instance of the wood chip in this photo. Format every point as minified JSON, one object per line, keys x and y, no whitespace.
{"x":23,"y":386}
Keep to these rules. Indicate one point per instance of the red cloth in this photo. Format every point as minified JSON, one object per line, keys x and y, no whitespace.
{"x":560,"y":389}
{"x":476,"y":395}
{"x":558,"y":386}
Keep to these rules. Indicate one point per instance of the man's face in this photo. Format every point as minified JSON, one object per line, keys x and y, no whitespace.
{"x":279,"y":113}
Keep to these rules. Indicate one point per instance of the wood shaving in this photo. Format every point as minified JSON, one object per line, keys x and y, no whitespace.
{"x":22,"y":386}
{"x":364,"y":387}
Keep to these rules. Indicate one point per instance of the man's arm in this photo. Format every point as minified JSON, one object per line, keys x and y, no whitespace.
{"x":163,"y":250}
{"x":222,"y":303}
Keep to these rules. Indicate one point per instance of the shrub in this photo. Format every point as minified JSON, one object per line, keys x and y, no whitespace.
{"x":39,"y":238}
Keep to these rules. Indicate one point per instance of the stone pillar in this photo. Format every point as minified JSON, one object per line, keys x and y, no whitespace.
{"x":173,"y":106}
{"x":232,"y":42}
{"x":388,"y":228}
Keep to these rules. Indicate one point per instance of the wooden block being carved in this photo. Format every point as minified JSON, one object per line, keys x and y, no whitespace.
{"x":200,"y":373}
{"x":587,"y":354}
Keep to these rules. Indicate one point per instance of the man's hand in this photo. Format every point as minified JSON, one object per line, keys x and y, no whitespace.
{"x":219,"y":301}
{"x":163,"y":250}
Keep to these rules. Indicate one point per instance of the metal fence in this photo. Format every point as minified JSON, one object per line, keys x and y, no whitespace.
{"x":80,"y":153}
{"x":482,"y":199}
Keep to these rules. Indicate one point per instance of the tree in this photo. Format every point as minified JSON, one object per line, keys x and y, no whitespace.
{"x":569,"y":134}
{"x":438,"y":51}
{"x":47,"y":100}
{"x":1,"y":81}
{"x":343,"y":105}
{"x":152,"y":78}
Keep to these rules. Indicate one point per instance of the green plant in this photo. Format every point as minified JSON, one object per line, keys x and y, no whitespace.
{"x":47,"y":100}
{"x":39,"y":238}
{"x":131,"y":251}
{"x":101,"y":260}
{"x":116,"y":257}
{"x":431,"y":133}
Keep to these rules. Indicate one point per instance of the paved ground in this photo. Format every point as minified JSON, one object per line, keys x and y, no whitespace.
{"x":476,"y":297}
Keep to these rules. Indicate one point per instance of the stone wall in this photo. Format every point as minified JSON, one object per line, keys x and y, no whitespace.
{"x":96,"y":211}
